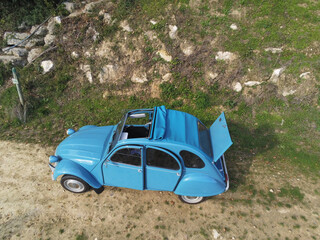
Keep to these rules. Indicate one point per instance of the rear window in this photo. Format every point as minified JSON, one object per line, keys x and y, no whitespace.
{"x":191,"y":160}
{"x":204,"y":138}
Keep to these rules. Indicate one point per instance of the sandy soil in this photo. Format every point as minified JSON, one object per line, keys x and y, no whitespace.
{"x":32,"y":206}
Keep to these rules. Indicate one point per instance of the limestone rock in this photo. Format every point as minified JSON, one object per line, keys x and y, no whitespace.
{"x":125,"y":26}
{"x":17,"y":61}
{"x":13,"y":38}
{"x":164,"y":55}
{"x":107,"y":18}
{"x":33,"y":54}
{"x":139,"y":77}
{"x":46,"y":65}
{"x":18,"y":52}
{"x":69,"y":6}
{"x":42,"y":31}
{"x":252,"y":83}
{"x":233,"y":26}
{"x":273,"y":50}
{"x":153,"y":22}
{"x":89,"y":7}
{"x":225,"y":56}
{"x":92,"y":32}
{"x":237,"y":87}
{"x":288,"y":93}
{"x":52,"y":23}
{"x":167,"y":77}
{"x":87,"y":71}
{"x":215,"y":234}
{"x":34,"y":42}
{"x":173,"y":31}
{"x":186,"y":48}
{"x":108,"y":73}
{"x":276,"y":74}
{"x":305,"y":75}
{"x":151,"y":35}
{"x":212,"y":75}
{"x":75,"y":55}
{"x":49,"y":39}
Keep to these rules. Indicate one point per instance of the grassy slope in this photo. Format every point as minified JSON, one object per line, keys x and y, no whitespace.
{"x":272,"y":130}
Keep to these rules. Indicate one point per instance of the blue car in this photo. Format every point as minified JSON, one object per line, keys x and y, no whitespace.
{"x":149,"y":149}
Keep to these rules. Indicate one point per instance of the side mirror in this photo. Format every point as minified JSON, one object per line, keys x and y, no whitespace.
{"x":138,"y":115}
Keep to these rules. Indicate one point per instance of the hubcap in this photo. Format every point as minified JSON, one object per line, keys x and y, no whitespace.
{"x":73,"y":185}
{"x":189,"y":199}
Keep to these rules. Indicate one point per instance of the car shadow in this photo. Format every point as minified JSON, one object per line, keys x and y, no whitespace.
{"x":247,"y":144}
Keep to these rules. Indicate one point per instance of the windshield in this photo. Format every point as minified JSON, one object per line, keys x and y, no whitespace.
{"x":117,"y":132}
{"x":204,"y":138}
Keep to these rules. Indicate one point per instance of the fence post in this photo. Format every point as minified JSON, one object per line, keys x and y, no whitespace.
{"x":15,"y":81}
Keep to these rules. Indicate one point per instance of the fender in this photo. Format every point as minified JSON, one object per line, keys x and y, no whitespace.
{"x":199,"y":185}
{"x":71,"y":168}
{"x":87,"y":127}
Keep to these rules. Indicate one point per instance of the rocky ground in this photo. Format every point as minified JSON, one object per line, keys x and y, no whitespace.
{"x":32,"y":206}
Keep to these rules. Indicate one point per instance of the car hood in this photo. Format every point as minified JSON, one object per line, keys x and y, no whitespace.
{"x":86,"y":146}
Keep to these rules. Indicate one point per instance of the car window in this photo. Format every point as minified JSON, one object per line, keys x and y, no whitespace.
{"x":157,"y":158}
{"x":130,"y":156}
{"x":191,"y":160}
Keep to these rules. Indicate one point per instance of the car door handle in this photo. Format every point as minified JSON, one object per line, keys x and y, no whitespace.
{"x":139,"y":170}
{"x":178,"y":174}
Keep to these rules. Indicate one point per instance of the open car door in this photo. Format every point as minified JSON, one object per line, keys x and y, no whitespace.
{"x":220,"y":137}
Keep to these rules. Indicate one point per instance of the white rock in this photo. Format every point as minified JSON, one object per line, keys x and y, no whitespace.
{"x":213,"y":75}
{"x":237,"y":87}
{"x":87,"y":54}
{"x":125,"y":26}
{"x":225,"y":56}
{"x":252,"y":83}
{"x":34,"y":42}
{"x":108,"y":72}
{"x":42,"y":31}
{"x":33,"y":54}
{"x":273,"y":50}
{"x":12,"y":59}
{"x":139,"y":77}
{"x":283,"y":210}
{"x":14,"y":38}
{"x":164,"y":55}
{"x":88,"y":7}
{"x":49,"y":39}
{"x":173,"y":31}
{"x":107,"y":18}
{"x":233,"y":26}
{"x":69,"y":6}
{"x":271,"y":190}
{"x":87,"y":70}
{"x":151,"y":35}
{"x":288,"y":93}
{"x":153,"y":22}
{"x":46,"y":65}
{"x":18,"y":52}
{"x":75,"y":55}
{"x":167,"y":77}
{"x":276,"y":74}
{"x":91,"y":31}
{"x":186,"y":48}
{"x":52,"y":23}
{"x":215,"y":234}
{"x":304,"y":75}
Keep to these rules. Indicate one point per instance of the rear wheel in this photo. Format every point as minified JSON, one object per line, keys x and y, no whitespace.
{"x":191,"y":200}
{"x":74,"y":184}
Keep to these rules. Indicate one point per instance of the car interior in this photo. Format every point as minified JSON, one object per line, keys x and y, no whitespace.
{"x":138,"y":125}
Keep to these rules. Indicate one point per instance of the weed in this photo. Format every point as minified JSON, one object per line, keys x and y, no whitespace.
{"x":291,"y":192}
{"x":81,"y":236}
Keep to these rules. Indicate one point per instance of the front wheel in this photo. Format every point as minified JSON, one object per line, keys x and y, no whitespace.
{"x":74,"y":184}
{"x":191,"y":200}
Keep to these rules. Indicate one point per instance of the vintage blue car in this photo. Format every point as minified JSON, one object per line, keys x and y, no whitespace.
{"x":149,"y":149}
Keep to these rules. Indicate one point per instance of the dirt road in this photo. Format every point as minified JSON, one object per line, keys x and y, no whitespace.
{"x":32,"y":206}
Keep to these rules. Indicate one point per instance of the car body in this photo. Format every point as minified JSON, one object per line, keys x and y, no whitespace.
{"x":149,"y":149}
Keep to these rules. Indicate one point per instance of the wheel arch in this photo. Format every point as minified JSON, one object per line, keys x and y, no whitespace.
{"x":68,"y":167}
{"x":199,"y":185}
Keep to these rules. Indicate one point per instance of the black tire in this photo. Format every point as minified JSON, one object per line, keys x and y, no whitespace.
{"x":191,"y":200}
{"x":74,"y":184}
